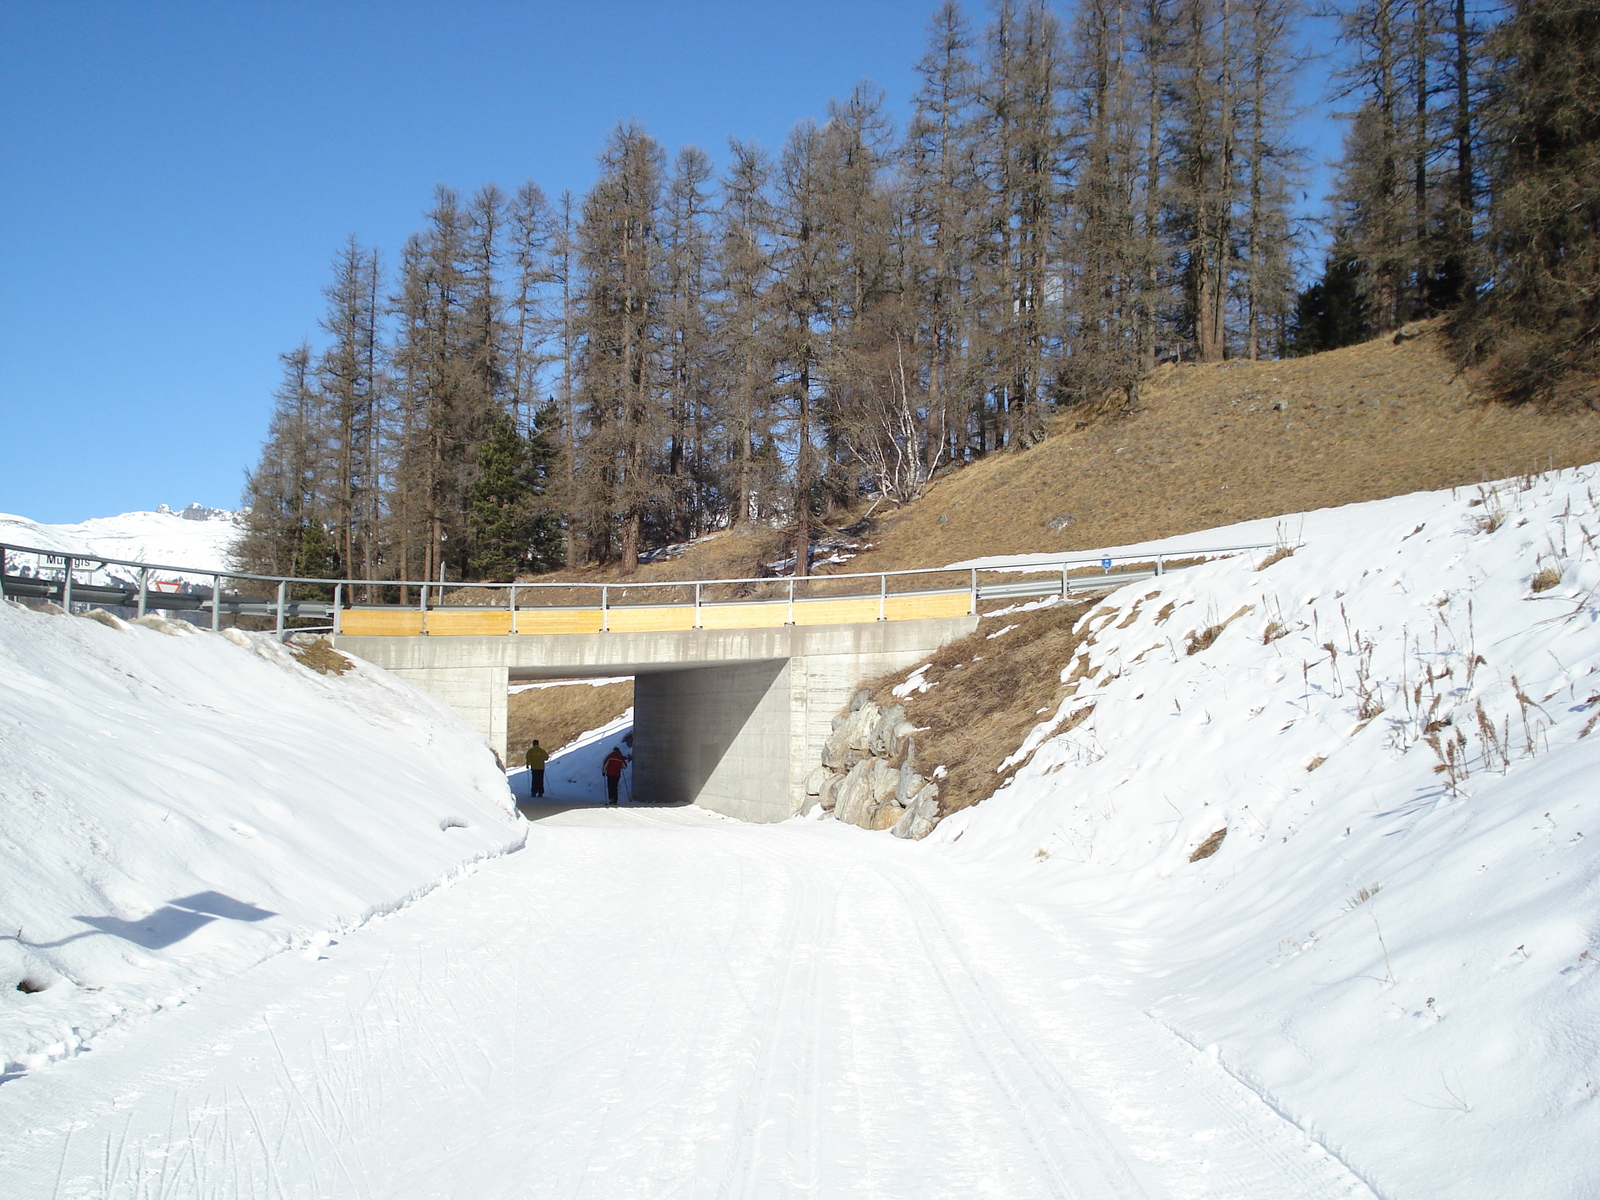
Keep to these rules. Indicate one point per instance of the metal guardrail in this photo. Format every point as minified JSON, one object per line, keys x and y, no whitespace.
{"x":1064,"y":577}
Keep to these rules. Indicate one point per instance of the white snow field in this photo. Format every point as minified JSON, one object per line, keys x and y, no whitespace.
{"x":1382,"y":983}
{"x":177,"y":806}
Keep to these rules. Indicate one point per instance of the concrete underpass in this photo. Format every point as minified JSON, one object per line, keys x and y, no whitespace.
{"x":730,"y":719}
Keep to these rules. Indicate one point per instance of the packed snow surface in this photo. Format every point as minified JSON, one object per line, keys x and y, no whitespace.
{"x":176,"y":806}
{"x":197,"y":537}
{"x":1382,"y":982}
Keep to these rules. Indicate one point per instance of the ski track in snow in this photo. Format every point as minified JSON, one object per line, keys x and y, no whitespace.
{"x":666,"y":1004}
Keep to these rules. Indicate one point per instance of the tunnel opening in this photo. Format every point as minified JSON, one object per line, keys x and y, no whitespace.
{"x":717,"y":735}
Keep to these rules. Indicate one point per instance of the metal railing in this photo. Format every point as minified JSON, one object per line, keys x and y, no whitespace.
{"x":1065,"y":576}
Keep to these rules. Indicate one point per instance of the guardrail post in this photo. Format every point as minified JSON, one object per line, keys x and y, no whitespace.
{"x":883,"y":597}
{"x":2,"y":572}
{"x":422,"y":592}
{"x":790,"y":621}
{"x":1066,"y":584}
{"x":1158,"y":564}
{"x":973,"y":611}
{"x":216,"y":604}
{"x":697,"y":624}
{"x":605,"y":609}
{"x":283,"y":586}
{"x":144,"y":589}
{"x":66,"y":586}
{"x":338,"y":609}
{"x":513,"y":602}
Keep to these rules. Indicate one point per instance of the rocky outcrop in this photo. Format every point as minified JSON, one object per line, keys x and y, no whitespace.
{"x":868,"y":776}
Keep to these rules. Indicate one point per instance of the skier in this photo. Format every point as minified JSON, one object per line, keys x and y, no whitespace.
{"x":612,"y":768}
{"x":537,"y":757}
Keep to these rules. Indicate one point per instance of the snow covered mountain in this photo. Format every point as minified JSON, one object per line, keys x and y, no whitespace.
{"x":197,"y":537}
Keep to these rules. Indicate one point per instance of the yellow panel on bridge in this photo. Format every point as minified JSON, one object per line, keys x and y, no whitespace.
{"x":646,"y":618}
{"x":924,"y":606}
{"x":558,"y":620}
{"x":380,"y":622}
{"x":467,"y":622}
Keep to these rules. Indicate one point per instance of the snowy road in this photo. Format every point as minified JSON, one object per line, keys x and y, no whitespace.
{"x":666,"y":1004}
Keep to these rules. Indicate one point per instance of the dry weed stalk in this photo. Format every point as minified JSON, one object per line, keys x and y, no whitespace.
{"x":1364,"y":897}
{"x":1530,"y":730}
{"x":1451,"y":751}
{"x":1496,"y":742}
{"x":1369,"y":691}
{"x":1279,"y":553}
{"x":1203,"y":639}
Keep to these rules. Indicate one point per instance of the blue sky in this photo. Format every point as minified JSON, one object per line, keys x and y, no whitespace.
{"x":175,"y":179}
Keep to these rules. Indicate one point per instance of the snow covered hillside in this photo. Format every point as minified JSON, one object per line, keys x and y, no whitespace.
{"x":176,"y":806}
{"x":196,"y":537}
{"x":1334,"y":819}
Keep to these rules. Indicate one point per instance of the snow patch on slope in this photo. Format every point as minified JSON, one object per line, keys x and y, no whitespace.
{"x":176,"y":806}
{"x":1395,"y":942}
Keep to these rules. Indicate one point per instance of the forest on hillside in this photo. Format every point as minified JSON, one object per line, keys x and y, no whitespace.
{"x":1080,"y":194}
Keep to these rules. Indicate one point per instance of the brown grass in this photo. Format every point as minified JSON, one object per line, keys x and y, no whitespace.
{"x":1547,"y":578}
{"x":1209,"y":847}
{"x":1277,"y":556}
{"x":321,"y":657}
{"x":556,"y":715}
{"x":1202,"y":639}
{"x":987,"y":695}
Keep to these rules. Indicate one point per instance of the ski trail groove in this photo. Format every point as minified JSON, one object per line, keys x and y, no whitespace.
{"x":1043,"y":1100}
{"x":741,"y":1175}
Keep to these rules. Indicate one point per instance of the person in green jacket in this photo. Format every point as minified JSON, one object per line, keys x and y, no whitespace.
{"x":537,"y":757}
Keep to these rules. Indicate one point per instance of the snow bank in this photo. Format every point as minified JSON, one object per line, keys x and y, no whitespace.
{"x":1395,"y":942}
{"x":176,"y":806}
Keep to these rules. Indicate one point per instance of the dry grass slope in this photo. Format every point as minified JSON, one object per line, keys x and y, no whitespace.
{"x":1235,"y":441}
{"x":986,"y":693}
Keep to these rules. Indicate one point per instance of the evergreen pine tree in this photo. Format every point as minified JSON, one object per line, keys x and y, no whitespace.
{"x":509,"y":535}
{"x":1331,"y":312}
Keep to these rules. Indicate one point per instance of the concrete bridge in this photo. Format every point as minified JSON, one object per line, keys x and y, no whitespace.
{"x":737,"y":681}
{"x":730,"y":719}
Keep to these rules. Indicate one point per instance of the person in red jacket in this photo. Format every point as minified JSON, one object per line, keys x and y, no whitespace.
{"x":612,"y":767}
